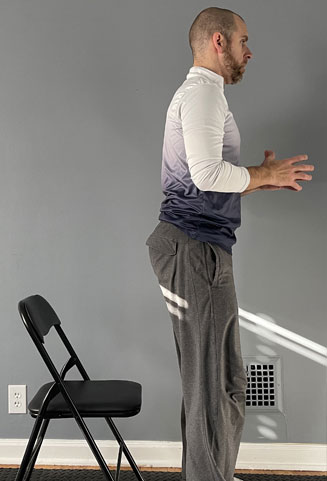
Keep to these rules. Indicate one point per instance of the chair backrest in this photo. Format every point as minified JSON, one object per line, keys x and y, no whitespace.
{"x":38,"y":317}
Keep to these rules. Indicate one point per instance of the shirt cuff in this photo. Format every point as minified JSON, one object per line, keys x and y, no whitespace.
{"x":248,"y":178}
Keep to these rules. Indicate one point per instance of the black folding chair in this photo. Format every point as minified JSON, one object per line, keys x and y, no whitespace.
{"x":77,"y":398}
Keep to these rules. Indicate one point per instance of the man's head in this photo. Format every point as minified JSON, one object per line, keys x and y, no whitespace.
{"x":217,"y":39}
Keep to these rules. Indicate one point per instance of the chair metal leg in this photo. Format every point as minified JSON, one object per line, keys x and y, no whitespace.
{"x":90,"y":440}
{"x":29,"y":448}
{"x":36,"y":449}
{"x":125,"y":449}
{"x":118,"y":462}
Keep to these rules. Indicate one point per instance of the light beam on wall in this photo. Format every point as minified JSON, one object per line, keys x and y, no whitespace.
{"x":284,"y":337}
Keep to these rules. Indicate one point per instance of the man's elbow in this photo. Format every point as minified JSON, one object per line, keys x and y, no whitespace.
{"x":210,"y":178}
{"x":219,"y":185}
{"x":197,"y":182}
{"x":205,"y":184}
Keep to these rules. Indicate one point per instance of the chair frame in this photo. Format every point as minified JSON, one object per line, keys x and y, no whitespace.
{"x":42,"y":422}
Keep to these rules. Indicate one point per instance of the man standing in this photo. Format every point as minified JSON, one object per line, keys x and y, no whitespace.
{"x":191,"y":247}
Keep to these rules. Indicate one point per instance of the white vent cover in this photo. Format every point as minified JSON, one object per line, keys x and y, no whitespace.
{"x":264,"y":383}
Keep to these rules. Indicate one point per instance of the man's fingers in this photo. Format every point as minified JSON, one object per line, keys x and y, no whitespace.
{"x":304,"y":167}
{"x":297,"y":158}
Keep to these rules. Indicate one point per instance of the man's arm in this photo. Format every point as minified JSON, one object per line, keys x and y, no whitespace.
{"x":265,"y":187}
{"x":260,"y":179}
{"x":203,"y":112}
{"x":249,"y":191}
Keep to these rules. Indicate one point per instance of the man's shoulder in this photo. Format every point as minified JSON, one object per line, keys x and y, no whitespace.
{"x":198,"y":83}
{"x":197,"y":91}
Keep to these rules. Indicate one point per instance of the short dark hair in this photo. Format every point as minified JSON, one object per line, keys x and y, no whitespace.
{"x":208,"y":21}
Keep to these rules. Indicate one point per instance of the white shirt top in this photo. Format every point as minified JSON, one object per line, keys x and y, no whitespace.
{"x":203,"y":112}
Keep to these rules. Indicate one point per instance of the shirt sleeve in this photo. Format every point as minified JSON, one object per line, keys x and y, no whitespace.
{"x":203,"y":112}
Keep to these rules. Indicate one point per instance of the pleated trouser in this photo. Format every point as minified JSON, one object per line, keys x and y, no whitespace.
{"x":196,"y":280}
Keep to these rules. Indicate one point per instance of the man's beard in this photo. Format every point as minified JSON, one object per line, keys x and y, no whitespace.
{"x":233,"y":68}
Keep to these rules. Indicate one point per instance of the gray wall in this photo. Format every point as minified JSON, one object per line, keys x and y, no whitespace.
{"x":84,"y":89}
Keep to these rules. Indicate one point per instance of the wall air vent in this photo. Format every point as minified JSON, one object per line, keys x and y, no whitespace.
{"x":264,"y":383}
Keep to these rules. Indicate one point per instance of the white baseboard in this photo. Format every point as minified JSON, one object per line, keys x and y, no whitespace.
{"x":75,"y":452}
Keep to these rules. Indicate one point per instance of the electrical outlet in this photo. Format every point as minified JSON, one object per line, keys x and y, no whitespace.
{"x":17,"y":399}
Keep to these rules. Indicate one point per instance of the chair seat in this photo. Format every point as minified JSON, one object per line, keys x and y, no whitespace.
{"x":93,"y":398}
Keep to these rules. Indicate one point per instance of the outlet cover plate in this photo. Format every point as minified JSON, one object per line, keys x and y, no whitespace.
{"x":17,"y":399}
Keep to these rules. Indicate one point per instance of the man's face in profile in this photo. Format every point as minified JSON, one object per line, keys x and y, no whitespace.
{"x":237,"y":54}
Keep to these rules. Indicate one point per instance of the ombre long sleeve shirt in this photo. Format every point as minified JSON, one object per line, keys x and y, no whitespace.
{"x":201,"y":177}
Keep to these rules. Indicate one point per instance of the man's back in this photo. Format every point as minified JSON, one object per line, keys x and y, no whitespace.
{"x":200,"y":175}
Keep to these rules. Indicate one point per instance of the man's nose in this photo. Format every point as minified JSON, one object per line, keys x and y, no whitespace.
{"x":249,"y":54}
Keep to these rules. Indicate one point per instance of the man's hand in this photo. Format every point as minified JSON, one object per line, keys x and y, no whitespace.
{"x":266,"y":187}
{"x":269,"y":187}
{"x":269,"y":154}
{"x":275,"y":187}
{"x":284,"y":170}
{"x":282,"y":166}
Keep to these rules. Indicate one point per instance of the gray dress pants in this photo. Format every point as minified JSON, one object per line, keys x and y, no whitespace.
{"x":196,"y":280}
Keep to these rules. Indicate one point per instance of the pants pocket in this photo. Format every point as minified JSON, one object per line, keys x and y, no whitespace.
{"x":162,"y":244}
{"x":162,"y":253}
{"x":213,"y":263}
